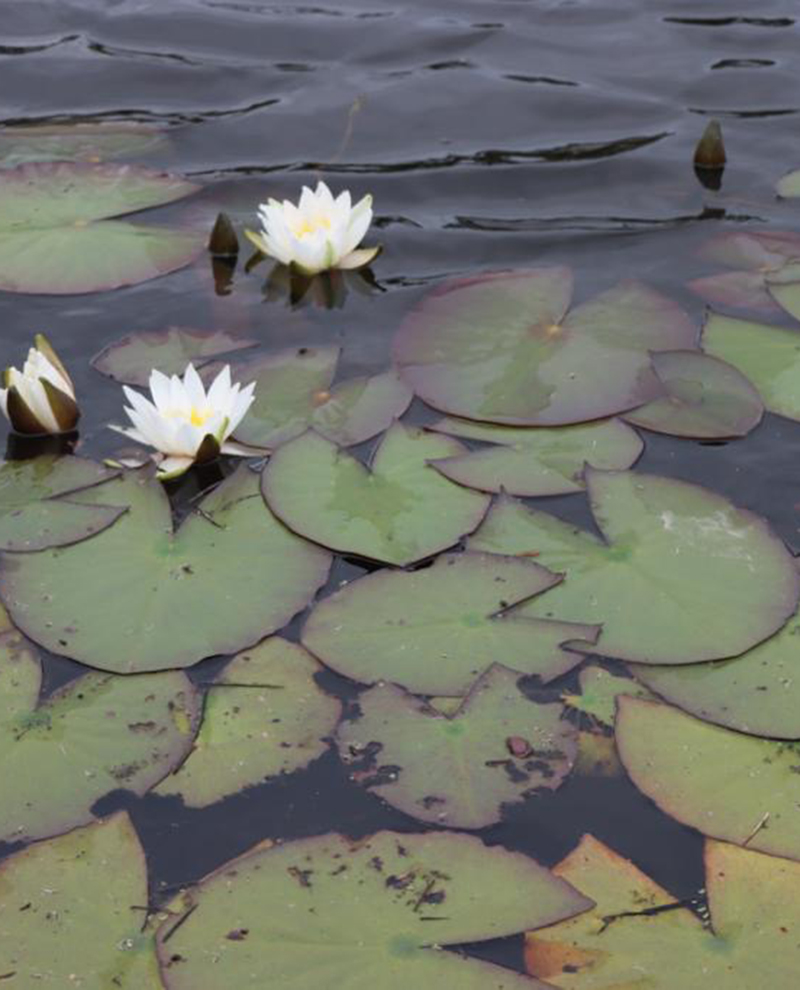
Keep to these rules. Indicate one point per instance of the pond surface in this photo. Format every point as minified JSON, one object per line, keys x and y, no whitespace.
{"x":492,"y":135}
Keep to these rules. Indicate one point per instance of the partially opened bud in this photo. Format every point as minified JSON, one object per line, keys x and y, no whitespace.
{"x":40,"y":399}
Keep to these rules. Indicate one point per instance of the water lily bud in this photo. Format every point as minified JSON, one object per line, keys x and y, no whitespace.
{"x":40,"y":399}
{"x":184,"y":423}
{"x":223,"y":241}
{"x":710,"y":150}
{"x":319,"y":233}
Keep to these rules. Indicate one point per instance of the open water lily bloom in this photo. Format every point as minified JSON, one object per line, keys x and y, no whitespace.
{"x":40,"y":399}
{"x":318,"y":233}
{"x":184,"y":423}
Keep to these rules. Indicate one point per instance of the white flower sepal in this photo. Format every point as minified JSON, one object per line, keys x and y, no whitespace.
{"x":40,"y":399}
{"x":185,"y":424}
{"x":319,"y":233}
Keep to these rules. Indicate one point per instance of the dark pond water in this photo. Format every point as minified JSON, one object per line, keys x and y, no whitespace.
{"x":492,"y":134}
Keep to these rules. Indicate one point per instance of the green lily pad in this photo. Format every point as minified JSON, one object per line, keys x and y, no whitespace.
{"x":434,"y":631}
{"x":72,"y":911}
{"x":460,"y":770}
{"x":132,"y":358}
{"x":725,"y":784}
{"x":96,"y":734}
{"x":681,"y":576}
{"x":264,"y":716}
{"x":537,"y":460}
{"x":768,"y":355}
{"x":705,"y":399}
{"x":789,"y":185}
{"x":51,"y":243}
{"x":294,"y":393}
{"x":229,"y":576}
{"x":333,"y":912}
{"x":397,"y":510}
{"x":34,"y":512}
{"x":85,"y":142}
{"x":503,"y":348}
{"x":639,"y":936}
{"x":600,"y":690}
{"x":785,"y":290}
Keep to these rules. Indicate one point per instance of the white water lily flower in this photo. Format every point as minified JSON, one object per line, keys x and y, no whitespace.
{"x":41,"y":397}
{"x":183,"y":422}
{"x":319,"y":233}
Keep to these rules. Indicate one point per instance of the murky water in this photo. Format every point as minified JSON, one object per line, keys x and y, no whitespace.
{"x":492,"y":134}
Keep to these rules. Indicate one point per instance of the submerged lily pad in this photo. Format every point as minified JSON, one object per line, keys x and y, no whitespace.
{"x":94,"y":735}
{"x":681,"y":576}
{"x":639,"y":936}
{"x":134,"y":356}
{"x":294,"y":392}
{"x":86,"y":142}
{"x":264,"y":716}
{"x":460,"y":770}
{"x":397,"y":510}
{"x":434,"y":631}
{"x":50,"y":242}
{"x":72,"y":911}
{"x":768,"y":355}
{"x":705,"y":399}
{"x":34,"y":512}
{"x":503,"y":348}
{"x":333,"y":912}
{"x":725,"y":784}
{"x":600,"y":690}
{"x":537,"y":460}
{"x":229,"y":576}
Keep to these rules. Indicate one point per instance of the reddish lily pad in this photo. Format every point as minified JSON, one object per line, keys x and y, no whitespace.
{"x":334,"y":912}
{"x":681,"y":576}
{"x":537,"y":460}
{"x":397,"y":510}
{"x":503,"y":348}
{"x":434,"y":631}
{"x":132,"y":358}
{"x":705,"y":399}
{"x":460,"y":770}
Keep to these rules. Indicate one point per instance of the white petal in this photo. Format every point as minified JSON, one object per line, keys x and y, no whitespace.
{"x":173,"y":467}
{"x":360,"y":219}
{"x":159,"y":389}
{"x":359,"y":258}
{"x":194,"y":387}
{"x":220,"y":387}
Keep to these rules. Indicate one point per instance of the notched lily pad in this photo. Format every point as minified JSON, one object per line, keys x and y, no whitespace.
{"x":638,"y":935}
{"x":56,"y":238}
{"x":681,"y":576}
{"x":370,"y":913}
{"x":398,"y":510}
{"x":459,"y":770}
{"x":725,"y":784}
{"x":230,"y":575}
{"x":35,"y":509}
{"x":134,"y":356}
{"x":94,"y":735}
{"x":435,"y":630}
{"x":72,"y":911}
{"x":264,"y":716}
{"x":86,"y":142}
{"x":536,"y":460}
{"x":705,"y":398}
{"x":505,"y":348}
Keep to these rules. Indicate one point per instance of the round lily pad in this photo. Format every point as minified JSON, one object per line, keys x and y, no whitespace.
{"x":434,"y":631}
{"x":94,"y":735}
{"x":230,"y":575}
{"x":459,"y":770}
{"x":72,"y":911}
{"x":34,"y":510}
{"x":768,"y":355}
{"x":50,"y":241}
{"x":503,"y":348}
{"x":681,"y":576}
{"x":705,"y":399}
{"x":264,"y":716}
{"x":132,"y":358}
{"x":637,"y":931}
{"x":294,"y":392}
{"x":332,"y":912}
{"x":397,"y":510}
{"x":725,"y":784}
{"x":537,"y":460}
{"x":86,"y":142}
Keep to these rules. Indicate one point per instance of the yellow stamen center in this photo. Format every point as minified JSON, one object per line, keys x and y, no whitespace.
{"x":312,"y":225}
{"x":198,"y":417}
